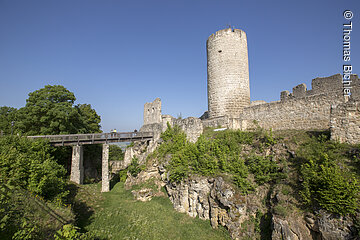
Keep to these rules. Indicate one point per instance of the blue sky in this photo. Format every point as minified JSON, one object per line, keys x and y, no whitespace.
{"x":117,"y":55}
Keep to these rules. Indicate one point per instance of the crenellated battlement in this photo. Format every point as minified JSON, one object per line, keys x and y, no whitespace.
{"x":323,"y":85}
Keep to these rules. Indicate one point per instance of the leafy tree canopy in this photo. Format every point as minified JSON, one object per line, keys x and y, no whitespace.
{"x":7,"y":116}
{"x":116,"y":153}
{"x":50,"y":111}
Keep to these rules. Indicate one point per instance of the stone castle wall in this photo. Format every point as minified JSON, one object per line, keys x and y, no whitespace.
{"x":301,"y":109}
{"x":322,"y":107}
{"x":228,"y":73}
{"x":310,"y":112}
{"x":152,"y":112}
{"x":345,"y":122}
{"x":192,"y":126}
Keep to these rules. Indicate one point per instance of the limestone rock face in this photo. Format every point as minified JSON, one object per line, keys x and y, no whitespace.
{"x":282,"y":230}
{"x":330,"y":227}
{"x":191,"y":197}
{"x":212,"y":199}
{"x":291,"y":228}
{"x":318,"y":226}
{"x":144,"y":176}
{"x":218,"y":201}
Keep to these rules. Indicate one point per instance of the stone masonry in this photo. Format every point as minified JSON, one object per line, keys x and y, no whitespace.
{"x":191,"y":126}
{"x":105,"y":182}
{"x":304,"y":108}
{"x":228,"y":73}
{"x":77,"y":166}
{"x":345,"y":122}
{"x":301,"y":109}
{"x":152,"y":112}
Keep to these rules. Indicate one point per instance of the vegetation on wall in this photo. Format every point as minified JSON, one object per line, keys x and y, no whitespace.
{"x":134,"y":168}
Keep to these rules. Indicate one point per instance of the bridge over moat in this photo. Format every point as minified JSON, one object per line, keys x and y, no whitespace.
{"x":78,"y":140}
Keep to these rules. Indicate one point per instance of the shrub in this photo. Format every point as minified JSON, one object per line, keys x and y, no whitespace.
{"x":68,"y":232}
{"x":215,"y":154}
{"x":28,"y":164}
{"x":134,"y":168}
{"x":264,"y":169}
{"x":206,"y":157}
{"x":174,"y":140}
{"x":327,"y":182}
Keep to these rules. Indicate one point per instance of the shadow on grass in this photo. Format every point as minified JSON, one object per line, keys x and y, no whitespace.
{"x":83,"y":214}
{"x":81,"y":210}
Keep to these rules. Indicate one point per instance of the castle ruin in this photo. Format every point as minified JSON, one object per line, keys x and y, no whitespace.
{"x":319,"y":108}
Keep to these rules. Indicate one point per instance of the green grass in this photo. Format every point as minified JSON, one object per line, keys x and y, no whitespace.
{"x":119,"y":216}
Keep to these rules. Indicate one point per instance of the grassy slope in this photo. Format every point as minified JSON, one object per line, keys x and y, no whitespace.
{"x":119,"y":216}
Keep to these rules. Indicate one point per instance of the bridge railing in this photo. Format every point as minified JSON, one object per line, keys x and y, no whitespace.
{"x":93,"y":138}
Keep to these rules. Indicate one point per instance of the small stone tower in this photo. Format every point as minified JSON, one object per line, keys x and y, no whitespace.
{"x":228,"y":73}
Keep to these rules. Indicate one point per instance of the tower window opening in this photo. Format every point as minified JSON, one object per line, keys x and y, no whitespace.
{"x":220,"y":51}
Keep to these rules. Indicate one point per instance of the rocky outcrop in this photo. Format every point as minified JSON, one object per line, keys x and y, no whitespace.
{"x":213,"y":199}
{"x":292,"y":228}
{"x":323,"y":226}
{"x":146,"y":194}
{"x":191,"y":197}
{"x":330,"y":227}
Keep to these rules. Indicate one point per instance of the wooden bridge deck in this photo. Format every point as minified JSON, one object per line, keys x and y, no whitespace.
{"x":95,"y":138}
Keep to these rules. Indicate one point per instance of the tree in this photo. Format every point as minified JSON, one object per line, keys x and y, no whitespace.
{"x":29,"y":164}
{"x":50,"y":111}
{"x":28,"y":174}
{"x":89,"y":121}
{"x":7,"y":116}
{"x":116,"y":153}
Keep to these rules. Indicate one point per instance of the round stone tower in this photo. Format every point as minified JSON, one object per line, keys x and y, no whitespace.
{"x":228,"y":73}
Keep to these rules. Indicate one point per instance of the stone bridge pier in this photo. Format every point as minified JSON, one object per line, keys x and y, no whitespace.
{"x":77,"y":167}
